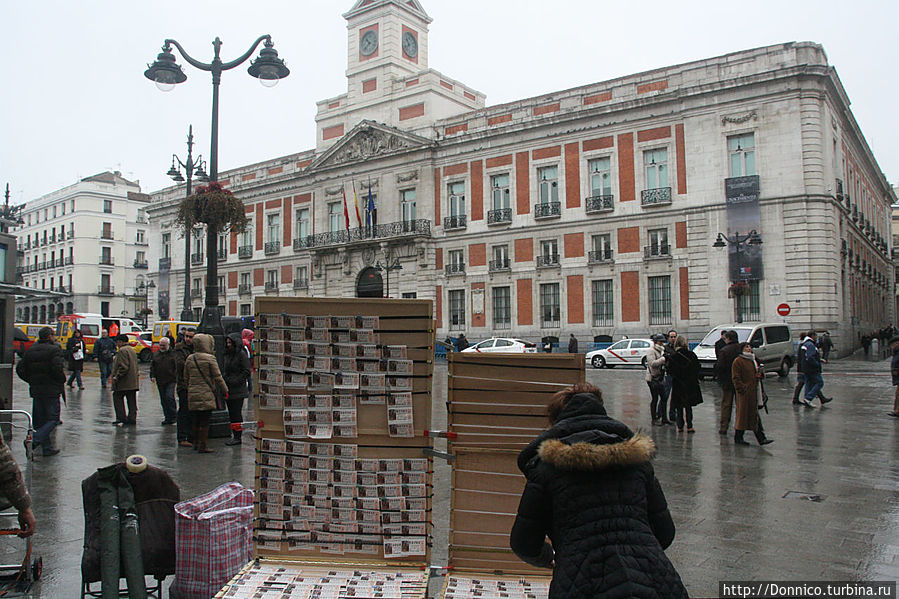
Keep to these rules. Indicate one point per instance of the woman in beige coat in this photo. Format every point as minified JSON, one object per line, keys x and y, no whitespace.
{"x":202,"y":377}
{"x":746,"y":375}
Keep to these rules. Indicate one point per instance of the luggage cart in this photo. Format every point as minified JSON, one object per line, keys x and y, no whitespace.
{"x":16,"y":579}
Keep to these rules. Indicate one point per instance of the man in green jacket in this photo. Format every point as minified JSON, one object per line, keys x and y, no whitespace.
{"x":125,"y":383}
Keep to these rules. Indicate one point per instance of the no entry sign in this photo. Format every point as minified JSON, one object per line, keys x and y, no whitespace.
{"x":783,"y":309}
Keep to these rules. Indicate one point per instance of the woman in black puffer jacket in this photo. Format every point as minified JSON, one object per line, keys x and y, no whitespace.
{"x":591,"y":489}
{"x":236,"y":369}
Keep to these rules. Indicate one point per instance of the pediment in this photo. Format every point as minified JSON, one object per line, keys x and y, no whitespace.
{"x":368,"y":140}
{"x":411,"y":5}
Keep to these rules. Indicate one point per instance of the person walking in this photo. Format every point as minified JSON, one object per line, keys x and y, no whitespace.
{"x":719,"y":345}
{"x":683,"y":365}
{"x":746,"y":374}
{"x":671,"y":337}
{"x":655,"y":376}
{"x":247,"y":336}
{"x":592,"y":491}
{"x":894,"y":370}
{"x":125,"y":381}
{"x":813,"y":369}
{"x":235,"y":371}
{"x":162,"y":372}
{"x":42,"y":367}
{"x":203,"y":377}
{"x":724,"y":365}
{"x":183,"y":349}
{"x":572,"y":344}
{"x":826,"y":346}
{"x":461,"y":342}
{"x":75,"y":351}
{"x":104,"y":353}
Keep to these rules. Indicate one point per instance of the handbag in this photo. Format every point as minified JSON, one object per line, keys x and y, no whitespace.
{"x":219,"y":397}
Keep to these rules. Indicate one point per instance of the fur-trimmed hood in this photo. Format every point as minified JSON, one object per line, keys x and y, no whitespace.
{"x":594,"y":451}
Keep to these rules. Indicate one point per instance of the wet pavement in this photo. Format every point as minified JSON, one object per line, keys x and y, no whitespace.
{"x":735,"y":514}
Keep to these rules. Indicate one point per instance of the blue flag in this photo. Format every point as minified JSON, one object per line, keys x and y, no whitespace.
{"x":371,"y":218}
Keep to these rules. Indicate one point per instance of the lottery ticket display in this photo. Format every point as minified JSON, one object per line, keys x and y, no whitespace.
{"x":297,"y":581}
{"x":465,"y":588}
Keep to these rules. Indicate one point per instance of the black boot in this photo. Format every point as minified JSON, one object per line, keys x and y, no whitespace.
{"x":761,"y":438}
{"x":738,"y":438}
{"x":823,"y":399}
{"x":235,"y":438}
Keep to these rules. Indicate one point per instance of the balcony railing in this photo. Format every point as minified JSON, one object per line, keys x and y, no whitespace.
{"x":499,"y":265}
{"x":196,"y":259}
{"x":406,"y":228}
{"x":165,"y":263}
{"x":59,"y":261}
{"x":503,"y":216}
{"x":244,"y":289}
{"x":222,"y":255}
{"x":452,"y":223}
{"x":601,"y":203}
{"x":106,"y":235}
{"x":548,"y":261}
{"x":660,"y":250}
{"x":272,"y":247}
{"x":64,"y":289}
{"x":548,"y":210}
{"x":53,"y":237}
{"x":271,"y":286}
{"x":245,"y":251}
{"x":140,"y":264}
{"x":141,"y":242}
{"x":599,"y":256}
{"x":70,"y":234}
{"x":301,"y":283}
{"x":196,"y":293}
{"x":660,"y":196}
{"x":106,"y":290}
{"x":302,"y":243}
{"x":107,"y":260}
{"x":141,"y":219}
{"x":454,"y":268}
{"x":21,"y":270}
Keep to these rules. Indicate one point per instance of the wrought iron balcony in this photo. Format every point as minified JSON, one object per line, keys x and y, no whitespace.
{"x":222,"y":255}
{"x":548,"y":210}
{"x":140,"y":264}
{"x":271,"y":286}
{"x":106,"y":290}
{"x":660,"y":196}
{"x":656,"y":250}
{"x":302,"y":243}
{"x":600,"y":203}
{"x":855,"y":213}
{"x":244,"y":289}
{"x":107,"y":260}
{"x":196,"y":293}
{"x":64,"y":289}
{"x":21,"y":270}
{"x":70,"y":234}
{"x":500,"y":265}
{"x":196,"y":259}
{"x":53,"y":237}
{"x":245,"y":251}
{"x":59,"y":261}
{"x":406,"y":228}
{"x":106,"y":235}
{"x":452,"y":223}
{"x":455,"y":268}
{"x":599,"y":256}
{"x":503,"y":216}
{"x":27,"y":245}
{"x":272,"y":247}
{"x":165,"y":263}
{"x":548,"y":261}
{"x":301,"y":283}
{"x":141,"y":242}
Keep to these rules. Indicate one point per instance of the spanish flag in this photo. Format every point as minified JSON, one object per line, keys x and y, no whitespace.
{"x":356,"y":202}
{"x":346,"y":212}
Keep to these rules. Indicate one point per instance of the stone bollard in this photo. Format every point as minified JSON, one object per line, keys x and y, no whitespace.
{"x":874,"y":354}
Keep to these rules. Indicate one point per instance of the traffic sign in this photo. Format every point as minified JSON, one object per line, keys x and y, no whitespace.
{"x":783,"y":309}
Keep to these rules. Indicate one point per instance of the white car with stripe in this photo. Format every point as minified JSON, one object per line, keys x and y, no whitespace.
{"x":627,"y":352}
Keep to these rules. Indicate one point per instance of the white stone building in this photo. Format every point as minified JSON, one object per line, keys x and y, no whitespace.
{"x":591,"y":210}
{"x":89,"y":241}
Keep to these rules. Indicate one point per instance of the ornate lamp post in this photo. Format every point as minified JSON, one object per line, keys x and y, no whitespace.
{"x":166,"y":73}
{"x":738,"y":241}
{"x":387,"y":266}
{"x":192,"y":168}
{"x":144,"y":291}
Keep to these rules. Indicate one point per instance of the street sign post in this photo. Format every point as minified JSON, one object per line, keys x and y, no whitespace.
{"x":783,"y":309}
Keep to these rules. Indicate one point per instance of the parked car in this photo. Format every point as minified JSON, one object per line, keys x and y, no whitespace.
{"x":143,"y":348}
{"x":504,"y":345}
{"x":771,"y":342}
{"x":626,"y":352}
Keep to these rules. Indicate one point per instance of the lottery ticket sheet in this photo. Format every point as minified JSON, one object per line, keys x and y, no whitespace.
{"x":461,"y":587}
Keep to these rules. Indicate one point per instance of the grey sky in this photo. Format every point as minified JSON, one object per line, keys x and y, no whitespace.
{"x":76,"y":103}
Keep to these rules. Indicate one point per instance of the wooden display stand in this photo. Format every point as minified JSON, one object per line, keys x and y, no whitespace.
{"x":294,"y":548}
{"x":496,"y":405}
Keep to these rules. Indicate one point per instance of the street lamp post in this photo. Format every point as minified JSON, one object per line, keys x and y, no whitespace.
{"x":144,"y":290}
{"x":192,"y":168}
{"x":387,"y":266}
{"x":738,"y":241}
{"x":166,"y":73}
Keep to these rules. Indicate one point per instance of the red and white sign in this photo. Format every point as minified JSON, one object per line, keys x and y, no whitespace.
{"x":783,"y":309}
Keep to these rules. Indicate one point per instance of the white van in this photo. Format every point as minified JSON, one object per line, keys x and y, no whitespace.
{"x":771,"y":342}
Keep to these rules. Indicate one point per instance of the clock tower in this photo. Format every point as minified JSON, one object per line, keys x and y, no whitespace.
{"x":388,"y":76}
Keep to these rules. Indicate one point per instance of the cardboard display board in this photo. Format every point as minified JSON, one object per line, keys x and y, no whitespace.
{"x":496,"y":405}
{"x":343,"y":483}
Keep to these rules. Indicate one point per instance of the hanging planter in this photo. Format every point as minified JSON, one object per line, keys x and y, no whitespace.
{"x":738,"y":289}
{"x":214,"y":206}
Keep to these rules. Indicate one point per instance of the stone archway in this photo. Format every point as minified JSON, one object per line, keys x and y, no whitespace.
{"x":369,"y":283}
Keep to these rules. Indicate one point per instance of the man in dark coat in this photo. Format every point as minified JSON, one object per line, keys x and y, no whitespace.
{"x":183,"y":349}
{"x":461,"y":342}
{"x":125,"y":379}
{"x":719,"y":345}
{"x":812,"y":368}
{"x":162,"y":372}
{"x":235,"y":371}
{"x":724,"y":366}
{"x":572,"y":344}
{"x":42,"y":368}
{"x":591,"y":489}
{"x":104,"y":352}
{"x":894,"y":370}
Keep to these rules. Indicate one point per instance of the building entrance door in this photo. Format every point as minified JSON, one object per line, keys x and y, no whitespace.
{"x":369,"y":283}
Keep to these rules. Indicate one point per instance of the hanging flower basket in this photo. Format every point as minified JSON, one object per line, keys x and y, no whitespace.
{"x":738,"y":289}
{"x":214,"y":206}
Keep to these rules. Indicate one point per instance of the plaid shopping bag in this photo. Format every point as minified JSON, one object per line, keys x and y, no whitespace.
{"x":213,"y":540}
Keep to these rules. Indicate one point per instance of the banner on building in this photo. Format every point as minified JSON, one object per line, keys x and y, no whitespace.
{"x":162,"y":296}
{"x":743,"y":217}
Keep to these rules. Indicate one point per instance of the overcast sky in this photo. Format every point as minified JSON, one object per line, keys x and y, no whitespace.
{"x":75,"y":101}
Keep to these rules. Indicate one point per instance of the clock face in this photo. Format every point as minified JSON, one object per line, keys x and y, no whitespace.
{"x":369,"y":43}
{"x":410,"y":44}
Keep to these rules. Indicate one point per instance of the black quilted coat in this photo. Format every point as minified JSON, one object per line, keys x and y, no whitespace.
{"x":591,"y":489}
